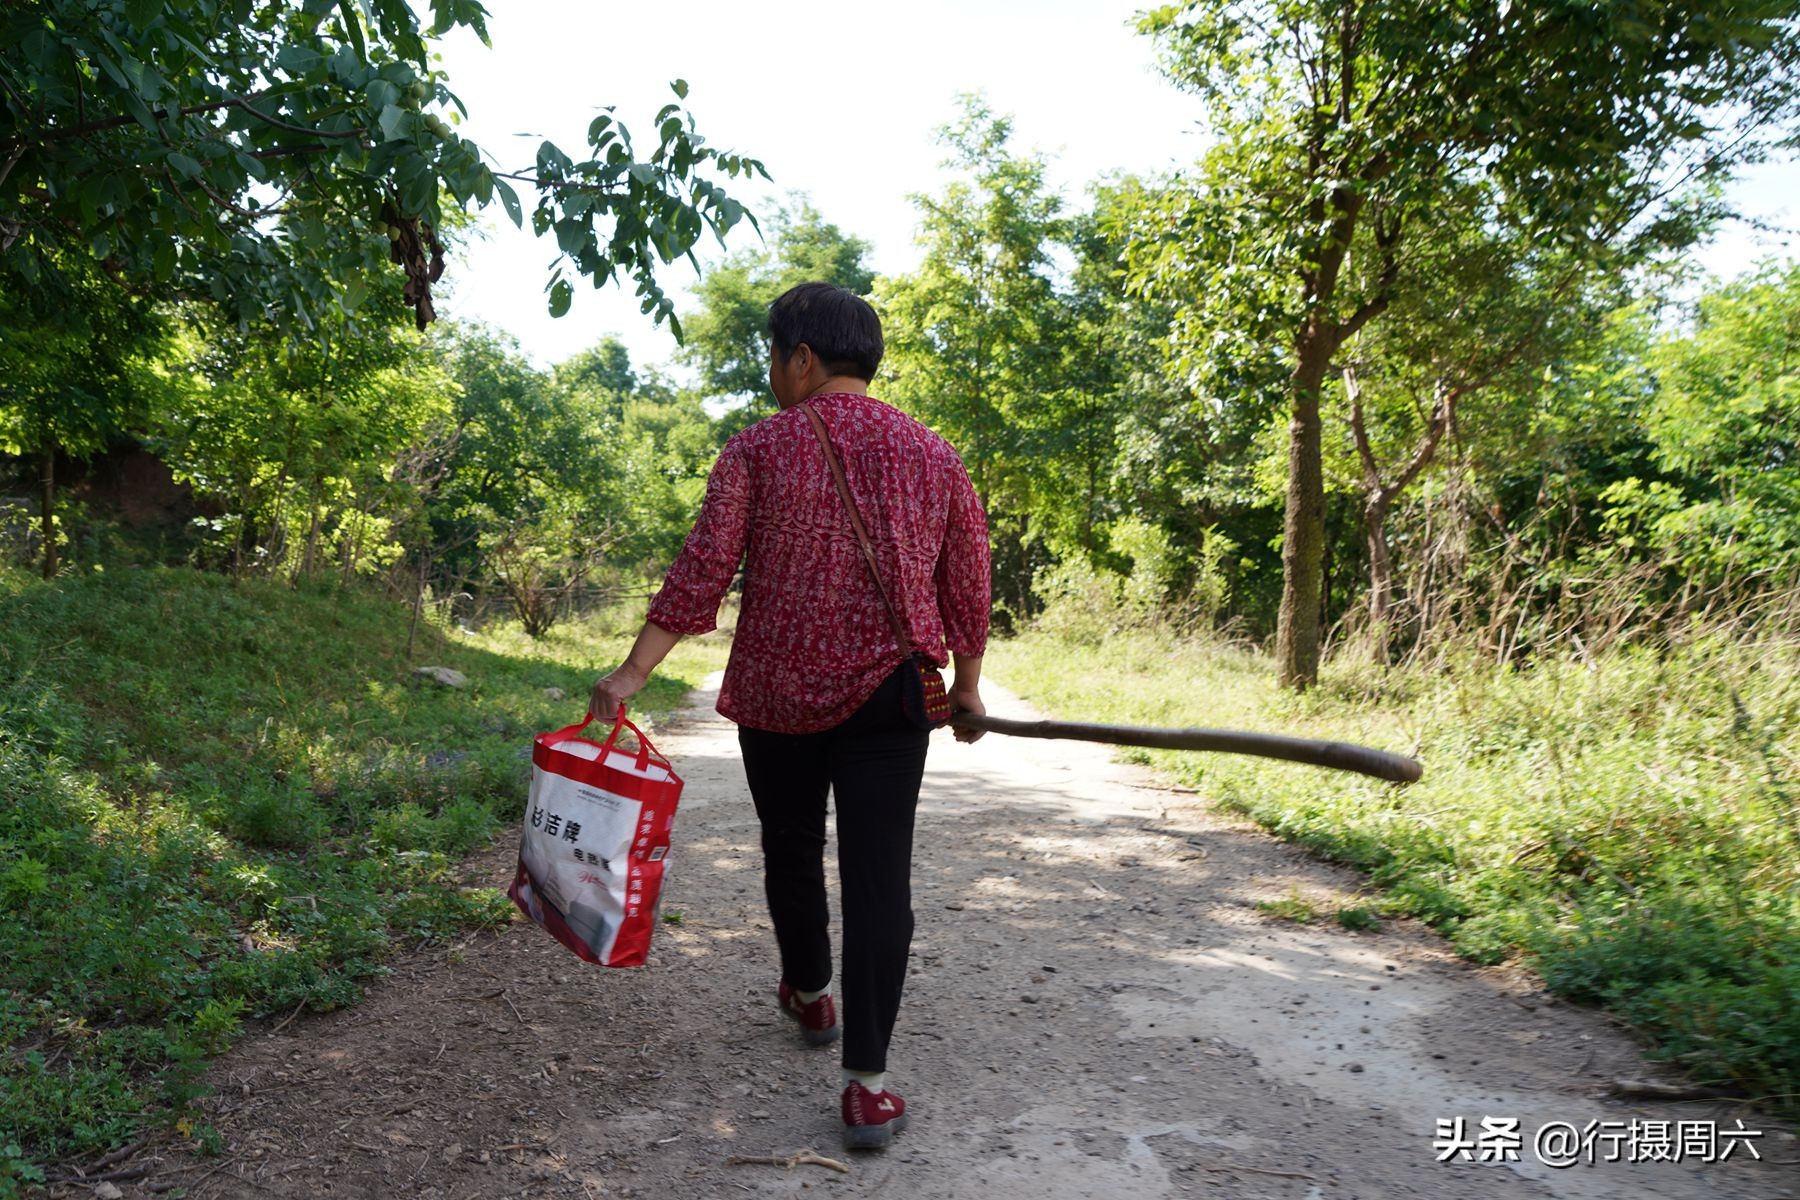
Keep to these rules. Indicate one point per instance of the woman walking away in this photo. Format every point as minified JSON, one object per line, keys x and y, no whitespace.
{"x":820,"y":660}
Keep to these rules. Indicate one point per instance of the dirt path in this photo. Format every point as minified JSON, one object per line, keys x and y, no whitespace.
{"x":1095,"y":1009}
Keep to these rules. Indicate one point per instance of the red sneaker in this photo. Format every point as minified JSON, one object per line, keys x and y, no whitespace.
{"x":818,"y":1020}
{"x":871,"y":1119}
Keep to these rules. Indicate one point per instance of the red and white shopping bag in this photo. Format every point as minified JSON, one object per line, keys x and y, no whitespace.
{"x":596,"y":841}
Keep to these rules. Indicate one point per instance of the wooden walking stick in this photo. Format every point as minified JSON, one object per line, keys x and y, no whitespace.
{"x":1338,"y":756}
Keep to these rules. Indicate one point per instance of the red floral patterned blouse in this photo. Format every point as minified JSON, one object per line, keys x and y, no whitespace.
{"x":813,"y":641}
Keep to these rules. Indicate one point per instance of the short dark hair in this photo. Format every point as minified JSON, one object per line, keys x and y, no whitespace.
{"x":838,"y":324}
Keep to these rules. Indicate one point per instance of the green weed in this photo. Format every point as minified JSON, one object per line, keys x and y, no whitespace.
{"x":1292,"y":907}
{"x":226,"y":799}
{"x":1358,"y":917}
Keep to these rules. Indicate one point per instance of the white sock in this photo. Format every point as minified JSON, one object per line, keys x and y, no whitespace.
{"x":874,"y":1081}
{"x":809,"y":997}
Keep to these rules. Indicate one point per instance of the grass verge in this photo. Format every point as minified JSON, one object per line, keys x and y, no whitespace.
{"x":1628,"y":825}
{"x":224,"y":801}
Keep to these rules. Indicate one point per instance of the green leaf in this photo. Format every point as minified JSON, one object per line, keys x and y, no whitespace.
{"x":355,"y":292}
{"x":353,"y":28}
{"x":572,"y":236}
{"x":509,"y":200}
{"x":549,"y":156}
{"x":418,"y":187}
{"x":561,"y":296}
{"x":396,"y":123}
{"x":680,"y":87}
{"x":183,"y":165}
{"x":298,"y":60}
{"x":382,"y":94}
{"x":113,"y":70}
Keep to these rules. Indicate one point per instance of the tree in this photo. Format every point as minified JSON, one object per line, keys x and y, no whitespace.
{"x":553,"y":479}
{"x":73,"y":374}
{"x":271,"y":155}
{"x":603,"y":369}
{"x":526,"y":487}
{"x":1193,"y":412}
{"x":726,"y":338}
{"x":1349,"y":131}
{"x":977,"y":335}
{"x":657,"y":442}
{"x":1470,"y":335}
{"x":664,"y":444}
{"x":297,"y":439}
{"x":1724,"y":426}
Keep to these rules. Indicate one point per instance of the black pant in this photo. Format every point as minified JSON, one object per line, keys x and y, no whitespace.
{"x":873,"y":762}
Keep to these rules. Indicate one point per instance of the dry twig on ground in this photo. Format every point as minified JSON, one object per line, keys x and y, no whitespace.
{"x":797,"y":1158}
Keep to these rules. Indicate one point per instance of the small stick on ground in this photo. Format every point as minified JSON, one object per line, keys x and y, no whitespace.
{"x":107,"y":1177}
{"x":797,"y":1158}
{"x":1643,"y":1089}
{"x":1265,"y":1171}
{"x":107,"y":1160}
{"x":169,"y":1185}
{"x":290,"y":1018}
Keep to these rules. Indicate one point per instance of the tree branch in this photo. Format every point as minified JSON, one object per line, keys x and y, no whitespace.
{"x":12,"y":160}
{"x":1442,"y":412}
{"x":574,"y":185}
{"x":291,"y":151}
{"x":1346,"y":65}
{"x":1359,"y":432}
{"x":1387,"y":238}
{"x":311,"y":131}
{"x":231,"y":206}
{"x":58,"y":133}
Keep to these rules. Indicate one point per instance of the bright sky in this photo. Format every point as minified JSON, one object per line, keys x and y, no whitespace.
{"x":840,"y":101}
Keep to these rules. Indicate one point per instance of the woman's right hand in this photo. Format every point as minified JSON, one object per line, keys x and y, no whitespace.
{"x":967,"y":700}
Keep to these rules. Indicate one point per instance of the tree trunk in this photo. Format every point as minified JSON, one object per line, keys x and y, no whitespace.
{"x":47,"y":506}
{"x":1379,"y":497}
{"x":277,"y":547}
{"x":1303,"y":532}
{"x":309,"y":557}
{"x":412,"y":628}
{"x":1381,"y":578}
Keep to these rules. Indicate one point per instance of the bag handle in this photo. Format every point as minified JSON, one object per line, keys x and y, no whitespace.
{"x":856,"y":523}
{"x":645,"y":751}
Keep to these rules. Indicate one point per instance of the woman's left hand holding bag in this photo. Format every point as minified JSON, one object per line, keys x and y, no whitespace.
{"x":612,"y":691}
{"x":628,"y":678}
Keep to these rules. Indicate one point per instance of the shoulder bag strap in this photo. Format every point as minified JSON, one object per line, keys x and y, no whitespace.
{"x":856,"y":523}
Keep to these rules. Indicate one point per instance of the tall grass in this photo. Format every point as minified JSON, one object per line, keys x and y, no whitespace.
{"x":224,"y":801}
{"x":1627,"y":824}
